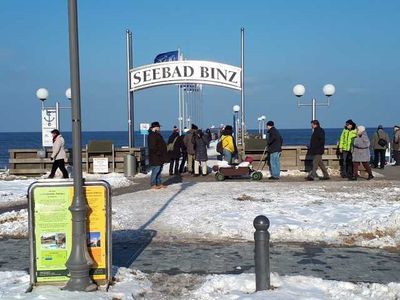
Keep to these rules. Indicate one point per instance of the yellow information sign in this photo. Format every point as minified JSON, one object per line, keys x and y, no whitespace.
{"x":51,"y":230}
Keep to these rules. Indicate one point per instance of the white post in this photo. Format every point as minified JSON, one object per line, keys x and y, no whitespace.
{"x":242,"y":86}
{"x":314,"y":109}
{"x":58,"y":115}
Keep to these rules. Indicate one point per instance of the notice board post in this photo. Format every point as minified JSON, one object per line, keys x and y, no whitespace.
{"x":50,"y":230}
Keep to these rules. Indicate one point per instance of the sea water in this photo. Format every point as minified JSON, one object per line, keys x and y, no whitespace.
{"x":33,"y":140}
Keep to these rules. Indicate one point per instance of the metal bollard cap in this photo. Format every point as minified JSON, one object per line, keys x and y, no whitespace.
{"x":261,"y":223}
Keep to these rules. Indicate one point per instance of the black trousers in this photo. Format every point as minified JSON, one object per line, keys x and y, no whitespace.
{"x":183,"y":162}
{"x":396,"y":156}
{"x":173,"y":166}
{"x":347,"y":164}
{"x":59,"y":163}
{"x":379,"y":156}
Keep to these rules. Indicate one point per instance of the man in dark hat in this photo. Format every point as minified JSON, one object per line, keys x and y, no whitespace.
{"x":347,"y":137}
{"x":157,"y":155}
{"x":274,"y":150}
{"x":316,"y":149}
{"x":188,"y":141}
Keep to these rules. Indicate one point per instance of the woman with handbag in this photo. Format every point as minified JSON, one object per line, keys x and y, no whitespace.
{"x":379,"y":144}
{"x":361,"y":153}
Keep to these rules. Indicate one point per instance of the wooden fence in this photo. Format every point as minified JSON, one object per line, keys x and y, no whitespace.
{"x":37,"y":162}
{"x":293,"y":157}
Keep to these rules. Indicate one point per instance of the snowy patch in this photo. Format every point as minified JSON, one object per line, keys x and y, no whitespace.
{"x":133,"y":284}
{"x":363,"y":214}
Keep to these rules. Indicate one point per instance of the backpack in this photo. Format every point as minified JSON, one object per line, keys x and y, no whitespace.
{"x":381,"y":142}
{"x":170,"y":146}
{"x":220,"y":149}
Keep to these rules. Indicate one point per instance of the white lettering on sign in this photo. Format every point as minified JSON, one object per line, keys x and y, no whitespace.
{"x":185,"y":71}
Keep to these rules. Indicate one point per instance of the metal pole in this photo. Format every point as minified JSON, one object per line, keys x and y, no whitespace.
{"x":314,"y":109}
{"x":79,"y":261}
{"x":179,"y":101}
{"x":129,"y":66}
{"x":261,"y":253}
{"x":242,"y":85}
{"x":237,"y":126}
{"x":58,"y":115}
{"x":234,"y":124}
{"x":179,"y":110}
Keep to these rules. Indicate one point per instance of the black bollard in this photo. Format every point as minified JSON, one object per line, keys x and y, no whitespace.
{"x":261,"y":253}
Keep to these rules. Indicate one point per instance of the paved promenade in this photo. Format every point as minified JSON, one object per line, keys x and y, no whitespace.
{"x":347,"y":264}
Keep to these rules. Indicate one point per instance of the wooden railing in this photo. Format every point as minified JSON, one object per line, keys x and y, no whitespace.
{"x":294,"y":157}
{"x":36,"y":161}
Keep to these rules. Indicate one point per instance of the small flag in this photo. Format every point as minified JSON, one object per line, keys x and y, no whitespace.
{"x":167,"y":56}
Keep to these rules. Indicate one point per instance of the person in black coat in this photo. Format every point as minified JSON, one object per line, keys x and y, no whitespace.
{"x":174,"y":151}
{"x":200,"y":142}
{"x":274,"y":150}
{"x":183,"y":152}
{"x":157,"y":155}
{"x":316,"y":149}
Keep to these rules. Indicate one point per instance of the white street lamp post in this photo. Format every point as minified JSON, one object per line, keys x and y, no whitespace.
{"x":263,"y":118}
{"x":299,"y":90}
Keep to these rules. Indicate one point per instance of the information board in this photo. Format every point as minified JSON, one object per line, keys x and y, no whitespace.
{"x":100,"y":165}
{"x":50,"y":229}
{"x":49,"y":122}
{"x":144,"y":128}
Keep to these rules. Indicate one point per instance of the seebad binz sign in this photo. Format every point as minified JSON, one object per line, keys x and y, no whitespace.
{"x":185,"y":71}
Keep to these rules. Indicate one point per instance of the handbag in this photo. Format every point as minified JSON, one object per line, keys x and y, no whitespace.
{"x":170,"y":146}
{"x":381,"y":142}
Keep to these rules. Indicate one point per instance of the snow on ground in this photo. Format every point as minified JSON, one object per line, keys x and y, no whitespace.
{"x":13,"y":192}
{"x":133,"y":284}
{"x":13,"y":189}
{"x":362,"y":214}
{"x":338,"y":213}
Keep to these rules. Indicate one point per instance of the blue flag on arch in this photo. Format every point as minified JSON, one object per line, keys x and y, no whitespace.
{"x":167,"y":56}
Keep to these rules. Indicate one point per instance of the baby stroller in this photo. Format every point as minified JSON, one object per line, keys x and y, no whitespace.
{"x":244,"y":169}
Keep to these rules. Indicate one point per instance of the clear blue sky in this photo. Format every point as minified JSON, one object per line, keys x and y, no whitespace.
{"x":353,"y":44}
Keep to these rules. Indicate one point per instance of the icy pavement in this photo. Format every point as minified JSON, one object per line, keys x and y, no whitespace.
{"x":343,"y":264}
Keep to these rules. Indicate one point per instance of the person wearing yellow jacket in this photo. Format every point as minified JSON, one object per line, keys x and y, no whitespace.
{"x":346,"y":141}
{"x":228,"y":144}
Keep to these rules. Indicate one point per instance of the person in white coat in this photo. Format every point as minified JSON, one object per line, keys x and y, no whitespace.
{"x":58,"y":155}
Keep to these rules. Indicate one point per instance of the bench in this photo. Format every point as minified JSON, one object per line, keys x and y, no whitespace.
{"x":100,"y":148}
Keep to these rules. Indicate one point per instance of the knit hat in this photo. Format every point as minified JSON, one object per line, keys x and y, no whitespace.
{"x":360,"y":129}
{"x":194,"y":127}
{"x":270,"y":123}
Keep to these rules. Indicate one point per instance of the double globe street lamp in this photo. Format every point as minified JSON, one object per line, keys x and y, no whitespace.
{"x":43,"y":94}
{"x":261,"y":125}
{"x":299,"y":90}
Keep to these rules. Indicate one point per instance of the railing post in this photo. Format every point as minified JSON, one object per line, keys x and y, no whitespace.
{"x":261,"y":253}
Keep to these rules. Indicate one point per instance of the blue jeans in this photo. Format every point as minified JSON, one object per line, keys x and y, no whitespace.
{"x":275,"y":163}
{"x":156,"y":175}
{"x":228,"y":156}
